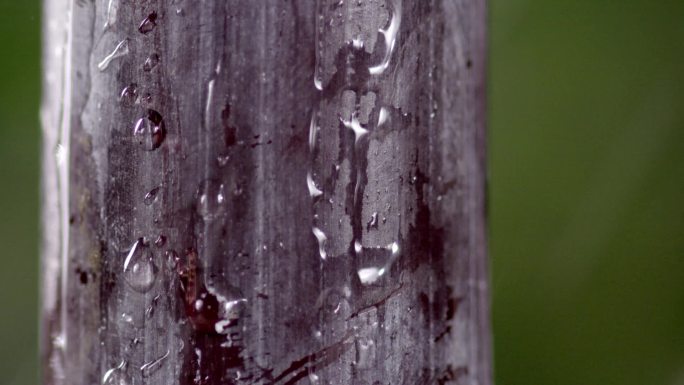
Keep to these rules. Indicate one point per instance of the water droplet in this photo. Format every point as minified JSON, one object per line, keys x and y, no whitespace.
{"x":148,"y":24}
{"x":394,"y":248}
{"x":222,"y":160}
{"x":355,"y":125}
{"x":160,"y":241}
{"x":116,"y":376}
{"x":314,"y":379}
{"x":146,"y":98}
{"x":59,"y":341}
{"x":151,"y":62}
{"x":151,"y":196}
{"x":127,"y":318}
{"x":318,"y":83}
{"x":357,"y":43}
{"x":149,"y":312}
{"x":120,"y":50}
{"x":172,"y":259}
{"x":357,"y":247}
{"x":151,"y":367}
{"x":390,"y":37}
{"x":321,"y":238}
{"x":365,"y":353}
{"x":150,"y":130}
{"x":373,"y":222}
{"x":211,"y":199}
{"x":370,"y":275}
{"x":139,"y":268}
{"x":129,"y":95}
{"x":383,"y":116}
{"x":314,"y":192}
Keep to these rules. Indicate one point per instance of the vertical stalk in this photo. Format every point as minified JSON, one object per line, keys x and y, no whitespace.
{"x":264,"y":192}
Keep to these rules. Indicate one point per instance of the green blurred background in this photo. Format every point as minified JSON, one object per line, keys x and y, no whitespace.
{"x":586,"y":189}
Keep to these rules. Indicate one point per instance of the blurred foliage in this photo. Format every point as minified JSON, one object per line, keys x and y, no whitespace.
{"x":19,"y":180}
{"x":586,"y":188}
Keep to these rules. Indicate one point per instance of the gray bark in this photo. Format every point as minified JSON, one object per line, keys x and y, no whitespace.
{"x":264,"y":192}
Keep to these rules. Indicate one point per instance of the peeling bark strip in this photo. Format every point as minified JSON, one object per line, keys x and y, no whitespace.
{"x":264,"y":192}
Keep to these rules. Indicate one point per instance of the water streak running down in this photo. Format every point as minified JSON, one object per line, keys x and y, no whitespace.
{"x":321,"y":238}
{"x":120,"y":50}
{"x":318,"y":82}
{"x":313,"y":131}
{"x":112,"y":10}
{"x":390,"y":36}
{"x":61,"y":155}
{"x":207,"y":107}
{"x":152,"y":366}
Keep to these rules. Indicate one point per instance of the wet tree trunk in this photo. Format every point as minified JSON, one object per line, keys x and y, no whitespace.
{"x":264,"y":192}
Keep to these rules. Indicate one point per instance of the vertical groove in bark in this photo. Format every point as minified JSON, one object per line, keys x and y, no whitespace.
{"x":268,"y":192}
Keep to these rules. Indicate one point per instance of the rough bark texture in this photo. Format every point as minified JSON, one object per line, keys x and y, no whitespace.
{"x":264,"y":192}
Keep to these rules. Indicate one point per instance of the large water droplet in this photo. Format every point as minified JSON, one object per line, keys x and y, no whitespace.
{"x":151,"y":62}
{"x":321,"y":238}
{"x":150,"y":130}
{"x":120,"y":50}
{"x":148,"y":24}
{"x":139,"y":268}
